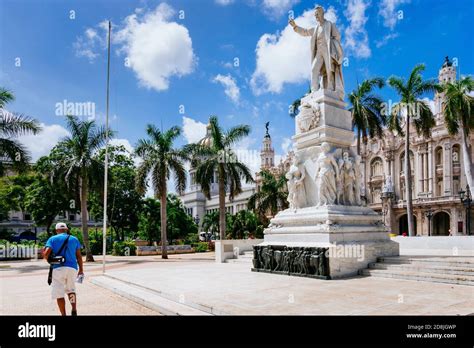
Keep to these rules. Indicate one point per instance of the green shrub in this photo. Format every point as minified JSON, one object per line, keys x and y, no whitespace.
{"x":119,"y":248}
{"x":76,"y":232}
{"x":43,"y":237}
{"x":200,"y":247}
{"x":191,"y":238}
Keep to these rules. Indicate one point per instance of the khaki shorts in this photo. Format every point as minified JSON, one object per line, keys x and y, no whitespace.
{"x":63,"y":281}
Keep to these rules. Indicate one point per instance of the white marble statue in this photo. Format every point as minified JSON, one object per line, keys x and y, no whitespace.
{"x":327,"y":174}
{"x":347,"y":178}
{"x":296,"y":189}
{"x":326,"y":53}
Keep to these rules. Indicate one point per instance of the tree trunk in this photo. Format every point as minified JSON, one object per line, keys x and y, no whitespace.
{"x":466,"y":154}
{"x":408,"y":183}
{"x":164,"y":251}
{"x":84,"y":220}
{"x":358,"y":141}
{"x":221,"y":204}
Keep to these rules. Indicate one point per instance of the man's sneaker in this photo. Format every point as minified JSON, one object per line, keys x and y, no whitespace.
{"x":74,"y":313}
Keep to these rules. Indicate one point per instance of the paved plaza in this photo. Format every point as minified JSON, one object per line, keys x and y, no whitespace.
{"x":195,"y":284}
{"x":231,"y":288}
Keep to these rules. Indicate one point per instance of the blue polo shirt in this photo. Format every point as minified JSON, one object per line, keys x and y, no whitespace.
{"x":69,"y":250}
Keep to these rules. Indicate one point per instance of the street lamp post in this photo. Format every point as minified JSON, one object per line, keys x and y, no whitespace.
{"x":466,"y":199}
{"x":429,"y":215}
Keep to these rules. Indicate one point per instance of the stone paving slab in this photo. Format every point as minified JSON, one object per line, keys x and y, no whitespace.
{"x":231,"y":288}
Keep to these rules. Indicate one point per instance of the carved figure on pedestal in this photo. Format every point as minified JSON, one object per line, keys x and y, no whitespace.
{"x":296,"y":190}
{"x":348,"y":177}
{"x":327,"y":174}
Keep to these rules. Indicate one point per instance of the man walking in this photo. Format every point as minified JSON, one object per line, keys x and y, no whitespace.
{"x":64,"y":273}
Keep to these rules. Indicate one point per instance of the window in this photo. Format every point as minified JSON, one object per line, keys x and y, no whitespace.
{"x":439,"y":156}
{"x":376,"y":168}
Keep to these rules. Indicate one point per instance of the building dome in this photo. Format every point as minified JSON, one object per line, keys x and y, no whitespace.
{"x":207,"y":140}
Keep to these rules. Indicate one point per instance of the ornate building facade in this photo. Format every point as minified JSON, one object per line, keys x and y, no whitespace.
{"x":437,"y":176}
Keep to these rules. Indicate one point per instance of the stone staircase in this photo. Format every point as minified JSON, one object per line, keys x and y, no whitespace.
{"x":246,"y":257}
{"x":439,"y":269}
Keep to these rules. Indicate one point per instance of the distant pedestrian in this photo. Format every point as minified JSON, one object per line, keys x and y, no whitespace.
{"x":63,"y":253}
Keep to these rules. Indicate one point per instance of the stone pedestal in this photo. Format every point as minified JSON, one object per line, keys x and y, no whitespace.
{"x":324,"y":225}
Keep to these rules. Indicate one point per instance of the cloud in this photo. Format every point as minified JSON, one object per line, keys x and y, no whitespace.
{"x":230,"y":86}
{"x":284,"y":57}
{"x":286,"y":145}
{"x":124,"y":142}
{"x":276,"y":8}
{"x":247,"y":153}
{"x":41,"y":144}
{"x":155,"y":47}
{"x":356,"y":41}
{"x":387,"y":9}
{"x":223,"y":2}
{"x":193,"y":131}
{"x":386,"y":39}
{"x":92,"y":42}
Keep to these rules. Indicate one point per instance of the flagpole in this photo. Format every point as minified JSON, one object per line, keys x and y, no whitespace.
{"x":106,"y":162}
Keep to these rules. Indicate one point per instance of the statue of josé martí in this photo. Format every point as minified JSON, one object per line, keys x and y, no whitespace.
{"x":326,"y":53}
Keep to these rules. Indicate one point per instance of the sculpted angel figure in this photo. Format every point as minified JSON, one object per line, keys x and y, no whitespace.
{"x":327,"y":174}
{"x":348,"y":178}
{"x":296,"y":191}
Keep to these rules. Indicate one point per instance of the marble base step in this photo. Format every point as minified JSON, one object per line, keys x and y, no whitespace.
{"x":424,"y":268}
{"x":147,"y":297}
{"x":421,"y":276}
{"x":451,"y":270}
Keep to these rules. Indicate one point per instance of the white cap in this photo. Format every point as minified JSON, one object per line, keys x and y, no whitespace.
{"x":61,"y":225}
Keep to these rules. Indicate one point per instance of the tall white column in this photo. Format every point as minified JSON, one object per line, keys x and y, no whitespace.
{"x":447,"y":169}
{"x":426,"y":172}
{"x":419,"y":182}
{"x":430,"y":169}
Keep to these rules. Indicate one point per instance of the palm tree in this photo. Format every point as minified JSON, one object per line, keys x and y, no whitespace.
{"x":245,"y":223}
{"x":416,"y":111}
{"x":78,"y":165}
{"x":210,"y":222}
{"x":218,"y":157}
{"x":13,"y":125}
{"x":366,"y":111}
{"x":272,"y":195}
{"x":159,"y":160}
{"x":458,"y":108}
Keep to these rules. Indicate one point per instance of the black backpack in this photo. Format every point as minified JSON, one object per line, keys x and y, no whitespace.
{"x":53,"y":259}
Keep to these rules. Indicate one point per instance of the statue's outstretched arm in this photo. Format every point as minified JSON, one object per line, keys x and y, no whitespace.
{"x":303,"y":31}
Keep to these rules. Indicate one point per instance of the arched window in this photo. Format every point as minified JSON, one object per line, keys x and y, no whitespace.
{"x":376,"y":167}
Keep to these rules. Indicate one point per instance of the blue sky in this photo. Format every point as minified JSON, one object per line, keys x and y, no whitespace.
{"x":181,"y":54}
